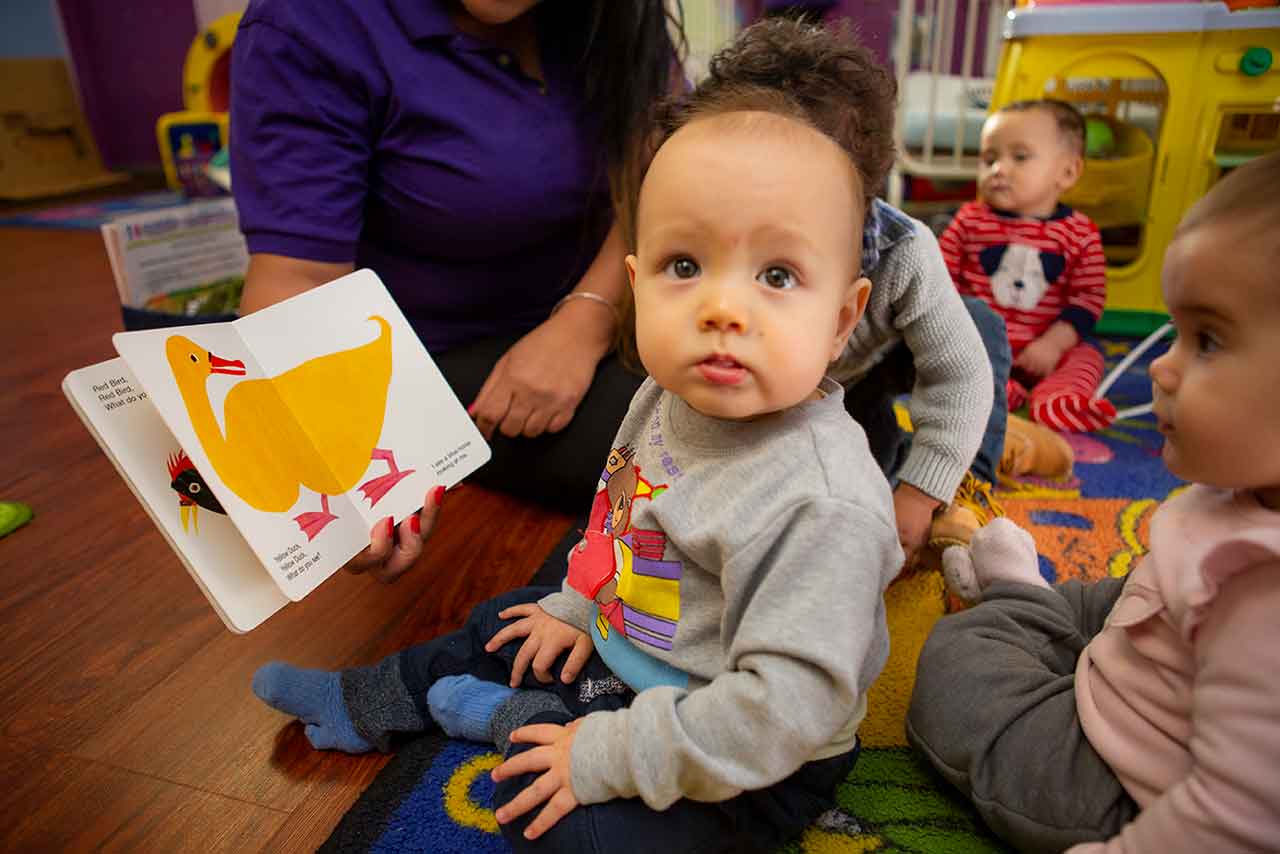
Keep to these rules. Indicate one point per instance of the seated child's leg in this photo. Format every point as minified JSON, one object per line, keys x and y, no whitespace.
{"x":1015,"y":394}
{"x":470,"y":708}
{"x":869,"y":401}
{"x":391,"y":696}
{"x":994,"y":711}
{"x":751,"y":822}
{"x":995,"y":338}
{"x":315,"y":698}
{"x":1064,"y":399}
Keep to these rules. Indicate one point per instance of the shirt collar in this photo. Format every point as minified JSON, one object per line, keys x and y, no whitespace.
{"x":423,"y":19}
{"x":884,"y":227}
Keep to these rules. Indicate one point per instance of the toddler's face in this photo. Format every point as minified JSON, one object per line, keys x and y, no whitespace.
{"x":1217,"y":390}
{"x":1025,"y":165}
{"x":746,"y":274}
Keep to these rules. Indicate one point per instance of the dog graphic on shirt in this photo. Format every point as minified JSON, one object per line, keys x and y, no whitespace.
{"x":1020,"y":275}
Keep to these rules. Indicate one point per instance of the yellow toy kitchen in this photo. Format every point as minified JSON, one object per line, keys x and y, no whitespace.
{"x":1175,"y":95}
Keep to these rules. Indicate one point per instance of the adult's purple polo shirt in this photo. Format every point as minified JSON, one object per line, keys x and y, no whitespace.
{"x":372,"y":131}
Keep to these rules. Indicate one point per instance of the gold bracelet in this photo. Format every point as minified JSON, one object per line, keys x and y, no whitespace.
{"x":617,"y":315}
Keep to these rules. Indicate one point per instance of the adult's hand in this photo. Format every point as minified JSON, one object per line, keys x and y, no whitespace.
{"x":537,"y":385}
{"x":389,"y":552}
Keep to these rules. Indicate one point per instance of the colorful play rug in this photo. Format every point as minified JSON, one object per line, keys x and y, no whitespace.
{"x":92,"y":214}
{"x":434,"y":794}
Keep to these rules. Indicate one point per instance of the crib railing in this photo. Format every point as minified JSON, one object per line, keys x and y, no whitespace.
{"x":945,"y":52}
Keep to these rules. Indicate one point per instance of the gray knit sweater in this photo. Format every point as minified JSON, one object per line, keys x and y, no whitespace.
{"x":914,"y":300}
{"x":750,"y":561}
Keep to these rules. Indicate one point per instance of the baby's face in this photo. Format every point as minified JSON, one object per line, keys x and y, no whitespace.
{"x":1025,"y":165}
{"x":746,"y":274}
{"x":1217,"y":390}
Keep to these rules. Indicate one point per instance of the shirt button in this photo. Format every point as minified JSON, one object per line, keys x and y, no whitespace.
{"x":504,"y":59}
{"x":542,"y":88}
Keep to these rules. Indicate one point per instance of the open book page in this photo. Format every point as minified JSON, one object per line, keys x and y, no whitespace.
{"x":367,"y":393}
{"x":225,"y":412}
{"x":311,"y":420}
{"x":119,"y":414}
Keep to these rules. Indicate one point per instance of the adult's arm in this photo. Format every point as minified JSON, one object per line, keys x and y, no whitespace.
{"x":272,"y":278}
{"x":537,"y":385}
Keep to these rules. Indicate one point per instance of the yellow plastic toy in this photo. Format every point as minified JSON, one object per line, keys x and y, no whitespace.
{"x":1190,"y":90}
{"x":190,"y":137}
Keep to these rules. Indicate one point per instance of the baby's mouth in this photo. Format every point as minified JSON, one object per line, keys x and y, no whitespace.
{"x":722,"y":370}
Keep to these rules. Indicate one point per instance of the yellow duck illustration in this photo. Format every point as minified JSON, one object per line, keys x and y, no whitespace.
{"x":315,"y":425}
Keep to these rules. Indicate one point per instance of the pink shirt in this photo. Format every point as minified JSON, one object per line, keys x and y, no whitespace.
{"x":1180,"y":691}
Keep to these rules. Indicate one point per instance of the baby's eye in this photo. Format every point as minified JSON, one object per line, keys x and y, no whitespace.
{"x":779,"y":278}
{"x":1020,"y":157}
{"x":682,"y":268}
{"x":1206,"y":343}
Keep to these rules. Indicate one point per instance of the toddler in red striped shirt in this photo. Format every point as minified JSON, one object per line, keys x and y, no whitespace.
{"x":1035,"y":261}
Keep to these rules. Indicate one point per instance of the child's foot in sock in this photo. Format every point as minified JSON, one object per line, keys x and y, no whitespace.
{"x":315,"y":698}
{"x":1000,"y":551}
{"x":1076,"y":413}
{"x":463,"y":705}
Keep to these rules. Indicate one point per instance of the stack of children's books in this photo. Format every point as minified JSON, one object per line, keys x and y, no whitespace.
{"x":266,"y":448}
{"x":189,"y":260}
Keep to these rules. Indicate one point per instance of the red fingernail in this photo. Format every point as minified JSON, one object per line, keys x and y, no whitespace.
{"x":471,"y":410}
{"x":415,"y":524}
{"x":437,"y":495}
{"x":391,"y":527}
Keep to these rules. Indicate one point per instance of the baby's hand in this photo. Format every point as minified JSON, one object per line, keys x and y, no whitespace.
{"x":1040,"y":357}
{"x":545,"y":638}
{"x":913,"y":510}
{"x":555,"y":787}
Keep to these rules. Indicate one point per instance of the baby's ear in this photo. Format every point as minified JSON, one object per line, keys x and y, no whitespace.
{"x":851,"y":310}
{"x":1072,"y":169}
{"x":630,"y":261}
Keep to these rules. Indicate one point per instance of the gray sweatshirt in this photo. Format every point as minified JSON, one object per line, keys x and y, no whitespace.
{"x":746,"y":562}
{"x":914,"y":300}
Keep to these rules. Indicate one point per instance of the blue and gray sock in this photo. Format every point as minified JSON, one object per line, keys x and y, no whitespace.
{"x":315,"y":698}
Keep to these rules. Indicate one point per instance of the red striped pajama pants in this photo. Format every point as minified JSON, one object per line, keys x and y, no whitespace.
{"x":1064,"y":399}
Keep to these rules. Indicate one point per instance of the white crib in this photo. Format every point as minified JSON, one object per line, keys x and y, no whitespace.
{"x":943,"y":98}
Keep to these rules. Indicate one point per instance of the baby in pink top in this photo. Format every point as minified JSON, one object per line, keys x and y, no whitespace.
{"x":1143,"y":714}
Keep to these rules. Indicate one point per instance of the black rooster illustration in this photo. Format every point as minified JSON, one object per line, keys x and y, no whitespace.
{"x":193,"y":492}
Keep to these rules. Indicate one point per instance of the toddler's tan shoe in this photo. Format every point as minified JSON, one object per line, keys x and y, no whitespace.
{"x":972,"y":507}
{"x":1033,"y":449}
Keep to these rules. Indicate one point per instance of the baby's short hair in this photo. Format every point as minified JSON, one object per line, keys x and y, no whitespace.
{"x":1069,"y":120}
{"x":820,"y":76}
{"x":1247,"y":191}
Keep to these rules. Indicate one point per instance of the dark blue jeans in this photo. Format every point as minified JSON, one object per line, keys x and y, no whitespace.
{"x":753,"y":821}
{"x":870,"y":400}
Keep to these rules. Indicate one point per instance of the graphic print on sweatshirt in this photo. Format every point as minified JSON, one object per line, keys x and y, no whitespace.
{"x":621,"y":568}
{"x":1020,"y":275}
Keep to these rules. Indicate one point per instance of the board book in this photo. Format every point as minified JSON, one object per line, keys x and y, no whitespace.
{"x":266,"y":448}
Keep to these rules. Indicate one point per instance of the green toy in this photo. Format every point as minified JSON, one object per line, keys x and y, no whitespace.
{"x":1099,"y":139}
{"x":13,"y":515}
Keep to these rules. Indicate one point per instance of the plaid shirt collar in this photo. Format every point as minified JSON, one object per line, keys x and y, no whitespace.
{"x":885,"y":226}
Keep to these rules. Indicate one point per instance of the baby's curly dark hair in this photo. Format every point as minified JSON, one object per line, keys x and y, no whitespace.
{"x":818,"y":75}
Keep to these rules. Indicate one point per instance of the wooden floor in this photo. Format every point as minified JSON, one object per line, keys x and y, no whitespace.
{"x":126,"y":719}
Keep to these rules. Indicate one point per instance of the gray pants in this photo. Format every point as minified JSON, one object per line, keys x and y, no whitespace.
{"x":994,"y":710}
